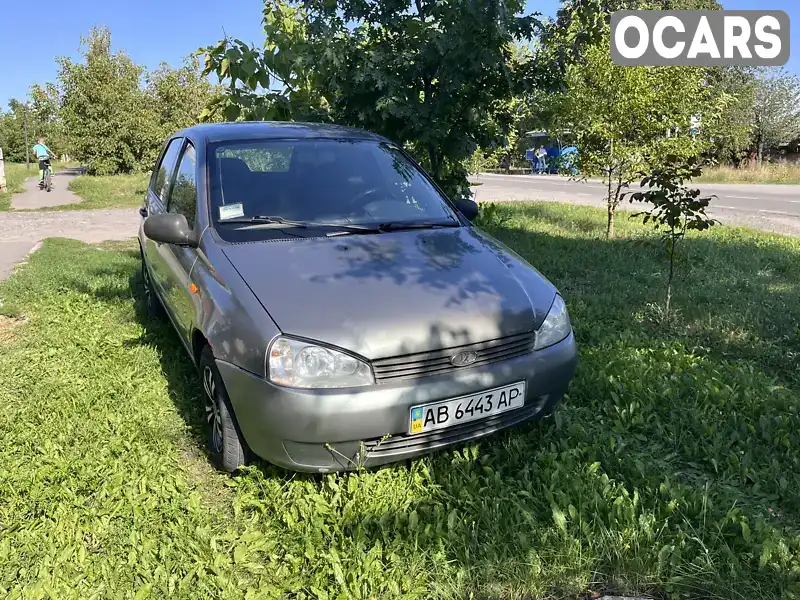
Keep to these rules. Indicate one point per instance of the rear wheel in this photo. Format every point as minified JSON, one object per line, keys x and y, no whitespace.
{"x":225,"y":442}
{"x":48,"y":181}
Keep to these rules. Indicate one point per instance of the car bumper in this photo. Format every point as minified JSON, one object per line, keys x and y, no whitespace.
{"x":334,"y":430}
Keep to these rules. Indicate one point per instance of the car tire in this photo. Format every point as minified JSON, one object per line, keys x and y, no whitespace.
{"x":155,"y":310}
{"x":226,"y":444}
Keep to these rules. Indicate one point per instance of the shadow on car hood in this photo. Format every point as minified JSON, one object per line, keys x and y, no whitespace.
{"x":395,"y":293}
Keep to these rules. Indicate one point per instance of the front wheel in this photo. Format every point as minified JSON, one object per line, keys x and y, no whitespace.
{"x":225,"y":442}
{"x":155,"y":310}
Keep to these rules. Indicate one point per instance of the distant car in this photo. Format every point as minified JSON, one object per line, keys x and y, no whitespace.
{"x":341,"y":310}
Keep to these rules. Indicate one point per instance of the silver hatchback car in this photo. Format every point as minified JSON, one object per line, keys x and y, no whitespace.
{"x":341,"y":310}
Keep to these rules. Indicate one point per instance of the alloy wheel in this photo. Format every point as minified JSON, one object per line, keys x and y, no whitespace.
{"x":148,"y":292}
{"x":212,"y":408}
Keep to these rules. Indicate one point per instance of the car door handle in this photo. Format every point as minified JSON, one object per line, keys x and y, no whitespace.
{"x":143,"y":212}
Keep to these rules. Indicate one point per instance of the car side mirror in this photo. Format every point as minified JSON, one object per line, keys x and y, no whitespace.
{"x":468,"y":208}
{"x":169,"y":228}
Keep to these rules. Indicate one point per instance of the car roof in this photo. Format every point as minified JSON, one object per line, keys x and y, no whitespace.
{"x":249,"y":130}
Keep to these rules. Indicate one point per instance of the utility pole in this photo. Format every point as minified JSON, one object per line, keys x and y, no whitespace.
{"x":27,"y":145}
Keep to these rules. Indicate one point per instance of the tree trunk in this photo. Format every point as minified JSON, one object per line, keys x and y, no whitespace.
{"x":611,"y":206}
{"x":436,"y":165}
{"x":669,"y":279}
{"x":760,"y":151}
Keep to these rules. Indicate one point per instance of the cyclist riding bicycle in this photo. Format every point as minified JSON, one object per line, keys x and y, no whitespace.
{"x":43,"y":155}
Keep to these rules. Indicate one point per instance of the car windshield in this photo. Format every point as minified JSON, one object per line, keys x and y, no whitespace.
{"x":312,"y":183}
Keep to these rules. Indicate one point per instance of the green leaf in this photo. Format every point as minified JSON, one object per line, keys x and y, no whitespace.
{"x":452,"y":520}
{"x":319,"y":593}
{"x":745,"y":530}
{"x":560,"y":519}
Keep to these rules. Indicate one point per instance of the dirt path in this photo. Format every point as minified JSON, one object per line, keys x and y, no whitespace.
{"x":33,"y":197}
{"x":20,"y":232}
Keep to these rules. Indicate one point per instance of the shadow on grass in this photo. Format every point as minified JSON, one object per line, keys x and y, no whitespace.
{"x":630,"y":487}
{"x":736,"y":294}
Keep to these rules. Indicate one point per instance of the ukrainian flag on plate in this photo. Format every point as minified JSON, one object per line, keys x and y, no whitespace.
{"x":416,"y":420}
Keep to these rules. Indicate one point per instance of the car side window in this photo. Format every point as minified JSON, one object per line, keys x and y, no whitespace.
{"x":183,"y":195}
{"x":163,"y":175}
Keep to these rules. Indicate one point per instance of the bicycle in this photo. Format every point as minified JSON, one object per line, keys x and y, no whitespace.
{"x":47,"y":182}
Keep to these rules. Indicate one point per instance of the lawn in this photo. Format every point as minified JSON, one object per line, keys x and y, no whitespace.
{"x":783,"y":172}
{"x":673,"y":466}
{"x":16,"y":174}
{"x":108,"y":191}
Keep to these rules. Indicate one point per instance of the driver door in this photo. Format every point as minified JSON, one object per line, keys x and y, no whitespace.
{"x":179,"y":260}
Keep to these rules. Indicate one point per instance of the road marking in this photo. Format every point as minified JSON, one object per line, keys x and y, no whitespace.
{"x":743,"y":197}
{"x":778,"y":212}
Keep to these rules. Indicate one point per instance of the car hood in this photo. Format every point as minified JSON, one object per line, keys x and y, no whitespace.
{"x":395,"y":293}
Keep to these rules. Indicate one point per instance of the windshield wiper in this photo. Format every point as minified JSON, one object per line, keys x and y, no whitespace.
{"x":262,"y":220}
{"x":270,"y":220}
{"x":401,"y":225}
{"x":348,"y":227}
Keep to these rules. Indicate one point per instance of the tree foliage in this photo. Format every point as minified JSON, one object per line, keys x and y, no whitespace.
{"x":111,"y":120}
{"x":12,"y":131}
{"x":104,"y":109}
{"x":625,"y":119}
{"x":41,"y":111}
{"x":776,"y":110}
{"x":427,"y":74}
{"x":178,"y":95}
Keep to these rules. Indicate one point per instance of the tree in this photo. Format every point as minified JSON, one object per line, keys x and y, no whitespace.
{"x":626,"y":119}
{"x":106,"y":115}
{"x":731,"y":134}
{"x":776,"y":110}
{"x":178,"y":96}
{"x":676,"y":209}
{"x":44,"y":111}
{"x":424,"y":73}
{"x":12,"y":131}
{"x":40,"y":110}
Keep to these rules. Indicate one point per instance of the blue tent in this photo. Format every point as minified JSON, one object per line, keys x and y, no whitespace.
{"x":559,"y":156}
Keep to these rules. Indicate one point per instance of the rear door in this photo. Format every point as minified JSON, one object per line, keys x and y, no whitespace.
{"x":156,"y":203}
{"x":179,"y":260}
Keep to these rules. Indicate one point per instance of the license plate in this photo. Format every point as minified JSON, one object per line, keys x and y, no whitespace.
{"x":448,"y":413}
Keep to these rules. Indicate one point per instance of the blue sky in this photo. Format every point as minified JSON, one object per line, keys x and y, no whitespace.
{"x":152,"y":31}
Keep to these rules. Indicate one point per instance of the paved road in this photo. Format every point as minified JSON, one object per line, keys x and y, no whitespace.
{"x":769,"y":207}
{"x":20,"y":232}
{"x":33,"y":197}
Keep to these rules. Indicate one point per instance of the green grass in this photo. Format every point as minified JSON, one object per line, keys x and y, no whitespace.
{"x":16,"y":174}
{"x":672,"y":467}
{"x":783,"y":172}
{"x":108,"y":191}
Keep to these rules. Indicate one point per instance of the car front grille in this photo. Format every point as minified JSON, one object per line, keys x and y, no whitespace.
{"x":407,"y":443}
{"x":422,"y":364}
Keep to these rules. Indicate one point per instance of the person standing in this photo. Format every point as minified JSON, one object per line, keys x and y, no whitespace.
{"x":541,"y":158}
{"x":506,"y":164}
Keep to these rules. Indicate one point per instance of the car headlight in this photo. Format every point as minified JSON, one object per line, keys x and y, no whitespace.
{"x":555,"y":327}
{"x":297,"y":364}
